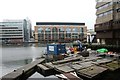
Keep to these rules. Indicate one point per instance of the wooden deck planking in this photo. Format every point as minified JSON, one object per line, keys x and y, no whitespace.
{"x":42,"y":67}
{"x":92,"y":71}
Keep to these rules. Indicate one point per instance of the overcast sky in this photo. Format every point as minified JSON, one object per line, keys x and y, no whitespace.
{"x":50,"y":10}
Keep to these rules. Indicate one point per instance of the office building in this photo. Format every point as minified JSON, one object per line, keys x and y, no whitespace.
{"x":15,"y":31}
{"x":60,"y":32}
{"x":107,"y":25}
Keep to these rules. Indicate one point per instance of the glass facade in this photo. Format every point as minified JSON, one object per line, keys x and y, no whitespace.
{"x":14,"y":24}
{"x":15,"y":31}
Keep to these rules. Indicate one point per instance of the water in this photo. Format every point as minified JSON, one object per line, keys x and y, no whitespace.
{"x":14,"y":57}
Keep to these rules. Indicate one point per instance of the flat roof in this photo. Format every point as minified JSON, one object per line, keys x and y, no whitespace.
{"x":58,"y":23}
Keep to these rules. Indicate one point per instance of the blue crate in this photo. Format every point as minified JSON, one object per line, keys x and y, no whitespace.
{"x":56,"y":49}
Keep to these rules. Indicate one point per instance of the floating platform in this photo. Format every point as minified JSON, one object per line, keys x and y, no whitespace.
{"x":70,"y":59}
{"x":102,"y":61}
{"x":88,"y":67}
{"x":114,"y":65}
{"x":91,"y":72}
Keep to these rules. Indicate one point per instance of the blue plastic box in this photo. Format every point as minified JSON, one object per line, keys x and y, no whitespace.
{"x":56,"y":49}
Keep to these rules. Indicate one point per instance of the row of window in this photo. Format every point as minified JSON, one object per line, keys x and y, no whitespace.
{"x":13,"y":33}
{"x":9,"y":27}
{"x":11,"y":30}
{"x":60,"y":30}
{"x":110,"y":23}
{"x":59,"y":33}
{"x":10,"y":35}
{"x":67,"y":36}
{"x":13,"y":23}
{"x":116,"y":22}
{"x":11,"y":39}
{"x":62,"y":34}
{"x":105,"y":13}
{"x":49,"y":35}
{"x":105,"y":5}
{"x":68,"y":31}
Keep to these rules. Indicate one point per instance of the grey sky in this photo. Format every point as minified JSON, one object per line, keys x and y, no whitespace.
{"x":50,"y":10}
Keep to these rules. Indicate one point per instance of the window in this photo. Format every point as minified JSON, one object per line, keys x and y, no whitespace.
{"x":118,"y":10}
{"x":106,"y":5}
{"x":118,"y":2}
{"x":47,"y":29}
{"x":40,"y":30}
{"x":106,"y":13}
{"x":60,"y":29}
{"x":81,"y":30}
{"x":68,"y":30}
{"x":109,"y":12}
{"x":75,"y":30}
{"x":111,"y":3}
{"x":54,"y":29}
{"x":100,"y":15}
{"x":99,"y":8}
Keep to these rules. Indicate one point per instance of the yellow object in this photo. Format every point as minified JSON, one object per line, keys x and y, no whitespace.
{"x":75,"y":49}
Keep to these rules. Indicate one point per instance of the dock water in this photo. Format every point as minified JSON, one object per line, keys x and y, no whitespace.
{"x":24,"y":72}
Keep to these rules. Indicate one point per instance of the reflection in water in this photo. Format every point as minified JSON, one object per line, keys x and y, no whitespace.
{"x":17,"y":62}
{"x":36,"y":45}
{"x":24,"y":45}
{"x":40,"y":45}
{"x":10,"y":66}
{"x":27,"y":61}
{"x":33,"y":59}
{"x":14,"y":57}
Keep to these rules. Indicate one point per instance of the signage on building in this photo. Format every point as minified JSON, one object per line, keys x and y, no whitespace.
{"x":51,"y":48}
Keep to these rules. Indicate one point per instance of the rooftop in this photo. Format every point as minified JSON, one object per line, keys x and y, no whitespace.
{"x":58,"y":23}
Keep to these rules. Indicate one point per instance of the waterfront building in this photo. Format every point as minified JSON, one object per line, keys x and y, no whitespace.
{"x":15,"y":31}
{"x":59,"y":32}
{"x":107,"y":25}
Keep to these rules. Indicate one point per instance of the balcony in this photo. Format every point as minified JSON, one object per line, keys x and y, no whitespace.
{"x":117,"y":34}
{"x":110,"y":7}
{"x":103,"y":26}
{"x":116,"y":24}
{"x":100,"y":4}
{"x":105,"y":34}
